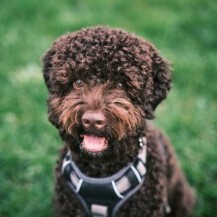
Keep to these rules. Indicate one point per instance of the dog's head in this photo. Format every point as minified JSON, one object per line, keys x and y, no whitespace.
{"x":103,"y":83}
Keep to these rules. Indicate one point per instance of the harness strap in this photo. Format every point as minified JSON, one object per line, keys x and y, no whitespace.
{"x":102,"y":197}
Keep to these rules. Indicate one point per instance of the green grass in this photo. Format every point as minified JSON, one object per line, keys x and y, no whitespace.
{"x":184,"y":31}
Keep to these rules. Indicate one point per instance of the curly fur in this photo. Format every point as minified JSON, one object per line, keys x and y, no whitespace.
{"x":102,"y":58}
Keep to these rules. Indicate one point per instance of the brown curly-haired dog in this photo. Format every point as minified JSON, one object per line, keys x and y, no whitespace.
{"x":103,"y":84}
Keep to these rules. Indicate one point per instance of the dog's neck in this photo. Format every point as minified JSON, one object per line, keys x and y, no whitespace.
{"x":102,"y":167}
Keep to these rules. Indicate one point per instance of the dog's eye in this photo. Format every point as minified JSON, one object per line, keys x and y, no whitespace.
{"x":79,"y":83}
{"x":120,"y":85}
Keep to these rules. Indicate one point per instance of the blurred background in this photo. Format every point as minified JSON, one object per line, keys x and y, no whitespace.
{"x":184,"y":31}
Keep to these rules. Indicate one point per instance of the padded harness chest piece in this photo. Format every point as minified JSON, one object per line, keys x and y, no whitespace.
{"x":102,"y":197}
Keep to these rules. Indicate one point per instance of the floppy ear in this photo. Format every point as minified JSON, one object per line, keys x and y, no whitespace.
{"x":158,"y":84}
{"x":47,"y":65}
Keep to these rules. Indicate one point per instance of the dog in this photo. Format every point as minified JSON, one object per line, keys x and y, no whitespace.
{"x":104,"y":85}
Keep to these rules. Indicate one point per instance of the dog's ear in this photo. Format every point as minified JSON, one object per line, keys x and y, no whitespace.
{"x":47,"y":65}
{"x":158,"y":84}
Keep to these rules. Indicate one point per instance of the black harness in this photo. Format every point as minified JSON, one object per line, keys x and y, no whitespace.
{"x":102,"y":197}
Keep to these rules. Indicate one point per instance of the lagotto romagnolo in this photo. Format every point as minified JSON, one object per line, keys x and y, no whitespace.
{"x":104,"y":84}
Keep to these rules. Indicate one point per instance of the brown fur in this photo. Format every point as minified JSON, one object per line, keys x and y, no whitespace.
{"x":125,"y":78}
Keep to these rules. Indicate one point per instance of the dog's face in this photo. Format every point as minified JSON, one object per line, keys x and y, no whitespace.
{"x":97,"y":113}
{"x":103,"y":83}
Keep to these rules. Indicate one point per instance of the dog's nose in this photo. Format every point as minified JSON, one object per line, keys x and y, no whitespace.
{"x":93,"y":119}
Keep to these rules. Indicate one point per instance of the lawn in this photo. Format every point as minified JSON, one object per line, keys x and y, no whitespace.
{"x":184,"y":31}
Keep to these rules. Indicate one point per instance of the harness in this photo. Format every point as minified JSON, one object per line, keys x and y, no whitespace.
{"x":102,"y":197}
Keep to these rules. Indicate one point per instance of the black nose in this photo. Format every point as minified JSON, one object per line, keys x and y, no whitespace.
{"x":93,"y":119}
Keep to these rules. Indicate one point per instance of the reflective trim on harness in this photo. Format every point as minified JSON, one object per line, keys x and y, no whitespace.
{"x":79,"y":185}
{"x":136,"y":173}
{"x":116,"y":190}
{"x":104,"y":196}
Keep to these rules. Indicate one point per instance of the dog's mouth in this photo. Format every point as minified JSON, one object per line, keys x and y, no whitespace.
{"x":94,"y":144}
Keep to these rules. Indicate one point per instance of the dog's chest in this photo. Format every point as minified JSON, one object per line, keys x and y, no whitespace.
{"x":122,"y":191}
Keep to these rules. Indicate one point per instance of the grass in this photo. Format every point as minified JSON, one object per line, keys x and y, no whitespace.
{"x":184,"y":31}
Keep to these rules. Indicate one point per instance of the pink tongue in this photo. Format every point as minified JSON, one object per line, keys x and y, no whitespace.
{"x":94,"y":144}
